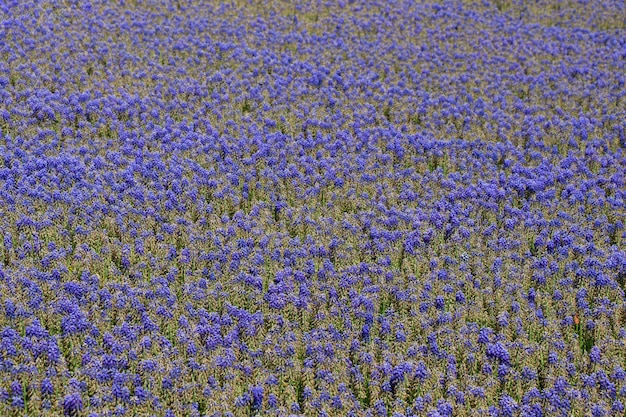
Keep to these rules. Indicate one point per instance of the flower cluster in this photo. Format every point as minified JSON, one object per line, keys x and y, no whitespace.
{"x":351,"y":208}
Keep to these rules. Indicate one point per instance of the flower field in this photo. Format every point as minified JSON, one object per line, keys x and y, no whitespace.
{"x":333,"y":208}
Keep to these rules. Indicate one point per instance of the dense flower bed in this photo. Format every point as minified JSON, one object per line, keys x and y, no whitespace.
{"x":327,"y":209}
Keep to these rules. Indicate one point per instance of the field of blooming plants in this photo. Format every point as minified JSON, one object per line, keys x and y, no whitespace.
{"x":342,"y":208}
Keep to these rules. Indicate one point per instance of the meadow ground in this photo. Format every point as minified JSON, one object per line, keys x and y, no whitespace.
{"x":352,"y":208}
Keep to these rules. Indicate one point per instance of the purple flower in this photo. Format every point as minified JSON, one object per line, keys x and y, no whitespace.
{"x":72,"y":405}
{"x":380,"y":408}
{"x":532,"y":410}
{"x":16,"y":388}
{"x":46,"y":388}
{"x":17,"y":402}
{"x":8,"y":241}
{"x":257,"y":397}
{"x":598,"y":410}
{"x":397,"y":376}
{"x":445,"y":409}
{"x":498,"y":352}
{"x":484,"y":335}
{"x":508,"y":406}
{"x":595,"y":355}
{"x":421,"y":372}
{"x":272,"y":401}
{"x":243,"y":400}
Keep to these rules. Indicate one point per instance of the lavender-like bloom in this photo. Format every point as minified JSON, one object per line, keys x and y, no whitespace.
{"x":595,"y":355}
{"x":72,"y":405}
{"x":46,"y":388}
{"x":498,"y":352}
{"x":257,"y":398}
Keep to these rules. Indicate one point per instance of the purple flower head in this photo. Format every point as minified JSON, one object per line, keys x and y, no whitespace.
{"x":421,"y":372}
{"x":272,"y":401}
{"x":17,"y":402}
{"x":243,"y":400}
{"x":16,"y":388}
{"x":380,"y":408}
{"x":257,"y":397}
{"x":397,"y":376}
{"x":595,"y":355}
{"x":445,"y":409}
{"x":507,"y":406}
{"x":484,"y":335}
{"x":531,"y":410}
{"x":72,"y":405}
{"x":497,"y":351}
{"x":8,"y":241}
{"x":46,"y":388}
{"x":598,"y":410}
